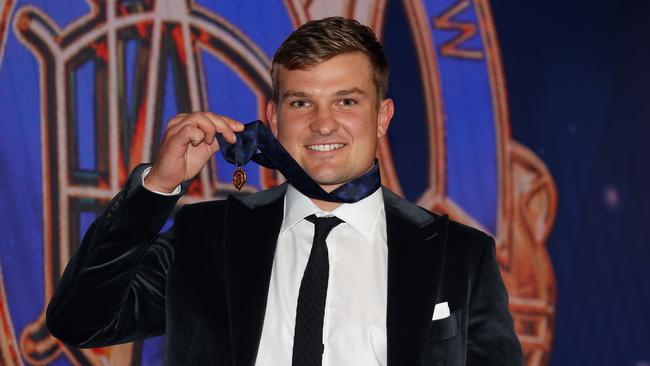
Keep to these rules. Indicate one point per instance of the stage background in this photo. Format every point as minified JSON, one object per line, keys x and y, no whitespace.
{"x":528,"y":120}
{"x":578,"y":82}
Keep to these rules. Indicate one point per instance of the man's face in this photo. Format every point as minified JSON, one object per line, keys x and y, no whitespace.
{"x":328,"y":117}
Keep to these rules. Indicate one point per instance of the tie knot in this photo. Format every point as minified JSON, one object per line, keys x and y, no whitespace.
{"x":323,"y":225}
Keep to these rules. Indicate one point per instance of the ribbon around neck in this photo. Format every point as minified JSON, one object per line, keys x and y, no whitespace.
{"x":257,"y":136}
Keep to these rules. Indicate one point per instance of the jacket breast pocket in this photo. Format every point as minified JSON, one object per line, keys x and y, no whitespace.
{"x":444,"y":345}
{"x":443,"y":329}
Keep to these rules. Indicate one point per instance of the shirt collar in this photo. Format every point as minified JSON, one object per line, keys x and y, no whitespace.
{"x":362,"y":216}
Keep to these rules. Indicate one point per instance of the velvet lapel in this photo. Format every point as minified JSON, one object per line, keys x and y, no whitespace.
{"x":252,"y":228}
{"x":416,"y":245}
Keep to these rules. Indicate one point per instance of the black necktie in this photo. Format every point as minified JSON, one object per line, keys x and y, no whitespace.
{"x":308,"y":338}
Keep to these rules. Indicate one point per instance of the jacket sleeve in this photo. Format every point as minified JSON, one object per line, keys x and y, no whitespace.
{"x":491,"y":335}
{"x":113,"y":289}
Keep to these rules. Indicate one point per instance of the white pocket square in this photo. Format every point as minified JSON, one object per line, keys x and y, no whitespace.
{"x":441,"y":311}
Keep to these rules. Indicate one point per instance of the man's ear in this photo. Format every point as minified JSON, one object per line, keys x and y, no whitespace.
{"x":272,"y":116}
{"x":385,"y":115}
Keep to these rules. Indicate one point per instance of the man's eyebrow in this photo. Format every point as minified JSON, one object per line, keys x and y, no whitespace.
{"x":344,"y":92}
{"x":294,"y":93}
{"x":340,"y":93}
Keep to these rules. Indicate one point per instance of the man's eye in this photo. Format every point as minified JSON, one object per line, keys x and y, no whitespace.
{"x":348,"y":102}
{"x":299,"y":103}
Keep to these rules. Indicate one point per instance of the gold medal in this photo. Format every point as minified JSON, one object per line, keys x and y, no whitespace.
{"x":239,"y":178}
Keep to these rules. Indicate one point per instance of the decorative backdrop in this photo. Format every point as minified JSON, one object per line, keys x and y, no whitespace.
{"x":86,"y":88}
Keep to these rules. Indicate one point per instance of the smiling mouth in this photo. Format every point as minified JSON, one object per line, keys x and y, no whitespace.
{"x":325,"y":147}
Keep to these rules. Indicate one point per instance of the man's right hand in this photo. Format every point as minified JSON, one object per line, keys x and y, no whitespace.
{"x":187,"y":145}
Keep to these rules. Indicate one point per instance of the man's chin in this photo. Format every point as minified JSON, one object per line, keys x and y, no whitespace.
{"x":328,"y":182}
{"x":330,"y":179}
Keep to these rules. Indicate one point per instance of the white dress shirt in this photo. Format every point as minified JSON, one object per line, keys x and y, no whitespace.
{"x":354,"y":327}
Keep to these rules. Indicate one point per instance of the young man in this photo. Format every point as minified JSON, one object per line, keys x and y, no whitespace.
{"x":257,"y":280}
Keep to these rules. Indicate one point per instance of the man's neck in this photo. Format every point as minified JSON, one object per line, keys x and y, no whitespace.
{"x":328,"y":206}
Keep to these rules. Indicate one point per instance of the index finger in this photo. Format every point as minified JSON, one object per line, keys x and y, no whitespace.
{"x":232,"y":123}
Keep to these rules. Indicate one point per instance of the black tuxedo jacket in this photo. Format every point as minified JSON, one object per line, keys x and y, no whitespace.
{"x":204,"y":283}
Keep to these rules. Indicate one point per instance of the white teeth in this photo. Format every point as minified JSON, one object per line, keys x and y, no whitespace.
{"x":326,"y":147}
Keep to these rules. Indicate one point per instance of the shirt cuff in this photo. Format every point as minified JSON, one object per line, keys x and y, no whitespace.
{"x":175,"y":192}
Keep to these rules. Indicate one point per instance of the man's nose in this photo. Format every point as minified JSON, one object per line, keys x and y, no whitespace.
{"x":324,"y":122}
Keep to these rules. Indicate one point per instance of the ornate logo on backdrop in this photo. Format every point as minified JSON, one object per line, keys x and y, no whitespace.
{"x":123,"y":54}
{"x":127,"y":119}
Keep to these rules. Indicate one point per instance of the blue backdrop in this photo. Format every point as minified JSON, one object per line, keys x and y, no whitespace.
{"x":578,"y":87}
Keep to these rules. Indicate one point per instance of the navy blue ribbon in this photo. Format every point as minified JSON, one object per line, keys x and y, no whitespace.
{"x":257,"y":136}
